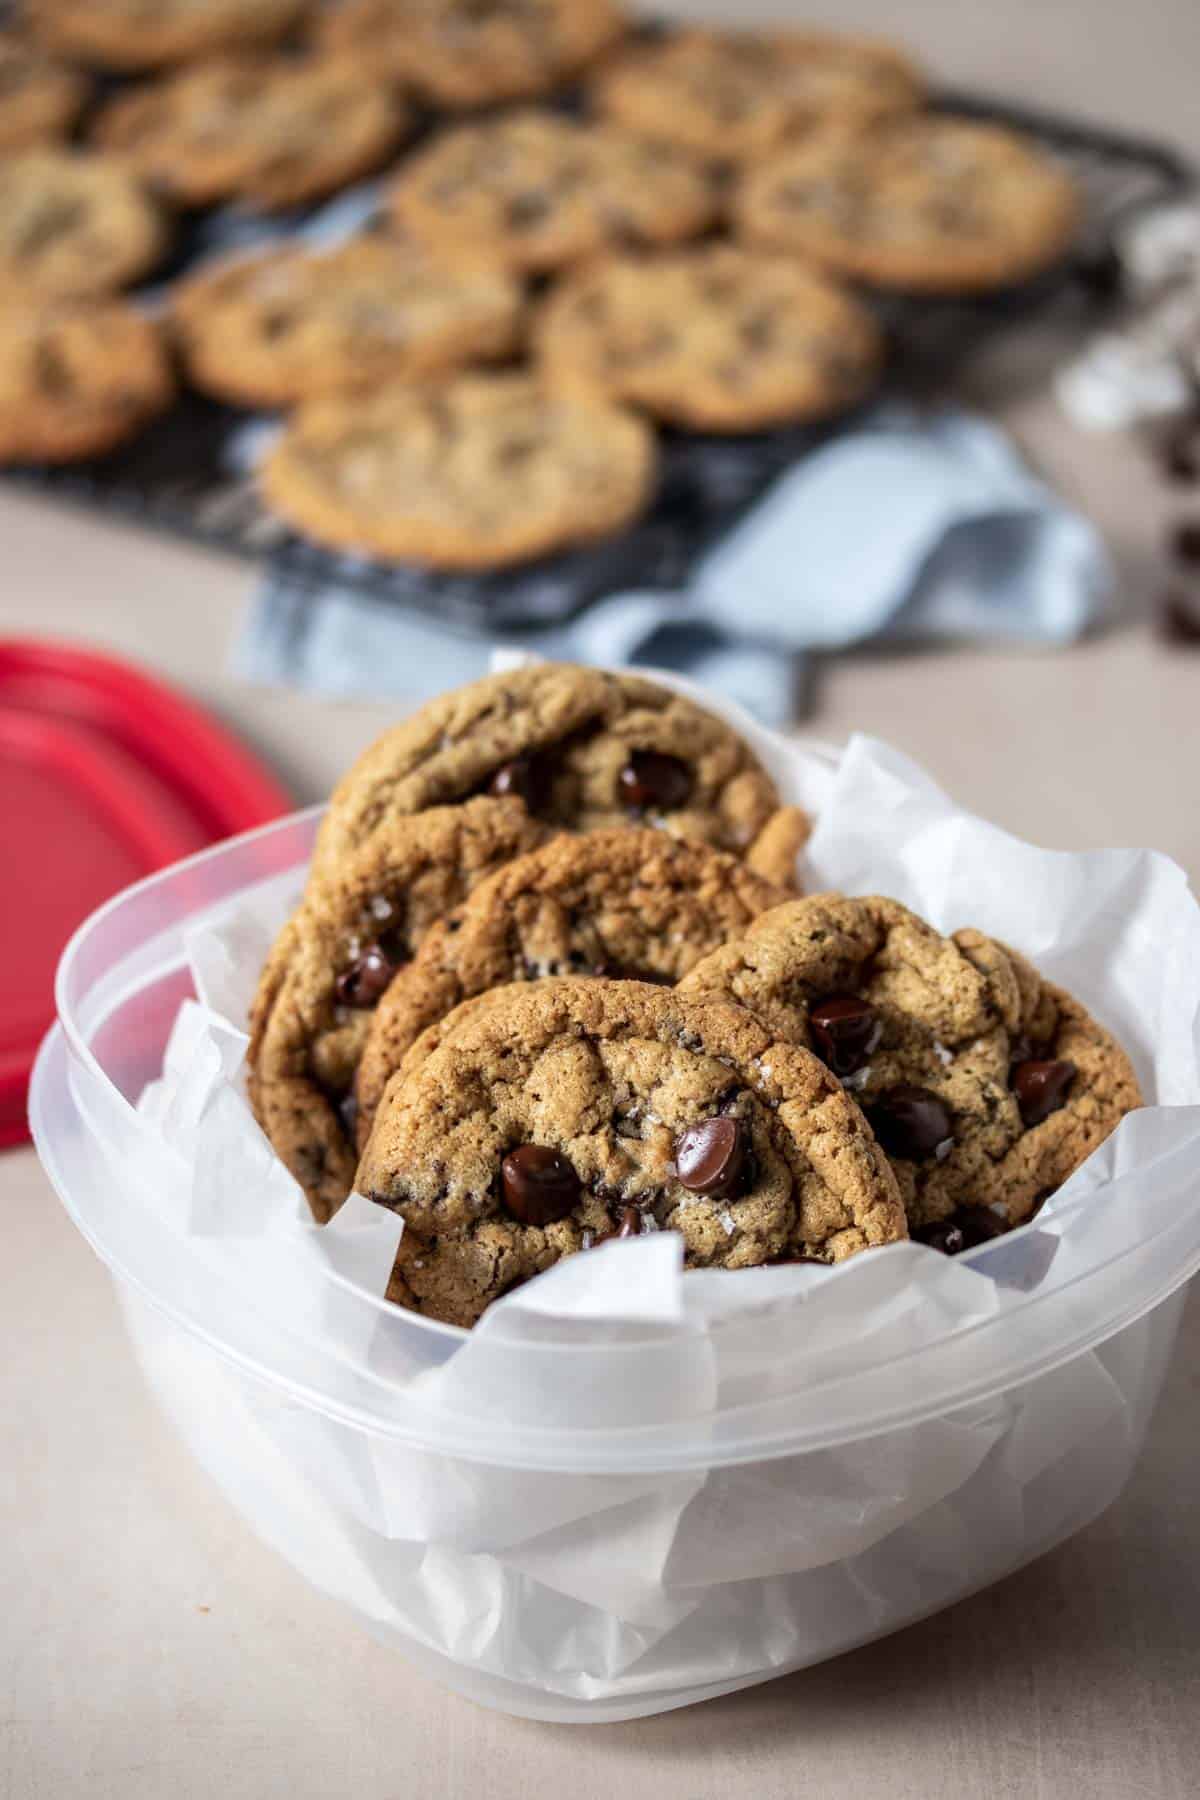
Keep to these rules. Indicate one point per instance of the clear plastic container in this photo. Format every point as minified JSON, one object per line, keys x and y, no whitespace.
{"x":932,"y":1474}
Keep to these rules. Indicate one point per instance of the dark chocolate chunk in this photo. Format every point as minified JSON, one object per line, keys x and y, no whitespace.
{"x":631,"y":1223}
{"x":844,"y":1029}
{"x":909,"y":1121}
{"x":710,"y":1157}
{"x":367,"y":980}
{"x":965,"y":1229}
{"x":1040,"y":1087}
{"x":652,"y":781}
{"x":528,"y":777}
{"x":538,"y":1184}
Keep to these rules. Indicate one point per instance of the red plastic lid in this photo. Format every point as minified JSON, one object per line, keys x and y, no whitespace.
{"x":105,"y":776}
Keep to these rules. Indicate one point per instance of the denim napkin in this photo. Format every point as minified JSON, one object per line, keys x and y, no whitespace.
{"x":908,"y":526}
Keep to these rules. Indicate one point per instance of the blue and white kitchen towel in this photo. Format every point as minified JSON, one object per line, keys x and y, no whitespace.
{"x":910,"y":526}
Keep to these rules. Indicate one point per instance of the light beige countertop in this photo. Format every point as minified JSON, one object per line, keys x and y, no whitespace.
{"x":149,"y":1647}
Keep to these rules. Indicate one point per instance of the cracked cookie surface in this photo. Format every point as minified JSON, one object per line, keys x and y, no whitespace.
{"x":618,"y":904}
{"x":713,"y":338}
{"x":923,"y":204}
{"x":567,"y":1112}
{"x":986,"y":1085}
{"x":585,"y":749}
{"x":333,"y":961}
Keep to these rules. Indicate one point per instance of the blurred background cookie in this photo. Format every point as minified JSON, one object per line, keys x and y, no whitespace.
{"x":715,"y":338}
{"x":461,"y":53}
{"x":537,"y":190}
{"x":76,"y":377}
{"x":736,"y":94}
{"x":926,"y":204}
{"x":73,"y":224}
{"x":144,"y":34}
{"x":272,"y":132}
{"x":290,"y":323}
{"x":479,"y":472}
{"x":39,"y":97}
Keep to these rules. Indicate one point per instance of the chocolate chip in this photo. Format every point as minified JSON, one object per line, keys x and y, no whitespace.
{"x":965,"y":1229}
{"x":652,"y":781}
{"x":1185,"y":542}
{"x":1040,"y":1088}
{"x":845,"y":1029}
{"x":1101,"y":272}
{"x":347,"y":1112}
{"x":909,"y":1121}
{"x":538,"y":1184}
{"x":367,"y":980}
{"x":526,"y":209}
{"x":1179,"y":619}
{"x":631,"y":1223}
{"x":623,"y":972}
{"x":528,"y":777}
{"x":711,"y":1156}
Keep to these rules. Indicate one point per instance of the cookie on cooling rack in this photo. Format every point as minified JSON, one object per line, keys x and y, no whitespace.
{"x":735,"y":95}
{"x":72,"y":224}
{"x":273,"y":132}
{"x":40,"y":98}
{"x":458,"y":53}
{"x":77,"y":377}
{"x":925,"y":204}
{"x":475,"y":472}
{"x":538,"y":190}
{"x":145,"y":34}
{"x":289,"y":323}
{"x":713,"y":338}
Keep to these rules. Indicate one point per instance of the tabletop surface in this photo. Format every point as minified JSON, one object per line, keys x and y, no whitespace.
{"x":151,"y":1647}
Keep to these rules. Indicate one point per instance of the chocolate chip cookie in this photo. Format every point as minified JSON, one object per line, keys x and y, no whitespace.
{"x":465,"y":53}
{"x":738,"y":94}
{"x":40,"y":98}
{"x":77,"y":377}
{"x":585,"y":750}
{"x":618,"y":904}
{"x":568,"y":1112}
{"x":334,"y":960}
{"x":712,"y":337}
{"x":985,"y":1085}
{"x":72,"y":225}
{"x":290,"y":323}
{"x":477,"y":472}
{"x":538,"y":190}
{"x":272,"y":132}
{"x":935,"y":205}
{"x":145,"y":34}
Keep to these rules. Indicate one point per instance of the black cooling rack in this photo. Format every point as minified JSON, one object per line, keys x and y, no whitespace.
{"x":191,"y":474}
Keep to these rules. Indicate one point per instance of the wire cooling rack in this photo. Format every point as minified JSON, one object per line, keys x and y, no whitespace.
{"x":191,"y":473}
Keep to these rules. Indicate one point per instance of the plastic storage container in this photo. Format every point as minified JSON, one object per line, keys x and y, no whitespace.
{"x":910,"y":1482}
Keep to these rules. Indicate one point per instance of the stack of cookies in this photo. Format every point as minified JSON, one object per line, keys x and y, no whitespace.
{"x":552,"y":982}
{"x":483,"y":377}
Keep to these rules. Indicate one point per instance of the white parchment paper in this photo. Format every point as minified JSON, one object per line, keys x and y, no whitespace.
{"x":705,"y":1552}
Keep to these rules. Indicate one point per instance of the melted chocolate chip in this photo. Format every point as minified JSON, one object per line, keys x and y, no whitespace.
{"x":710,"y":1157}
{"x":652,"y":781}
{"x":844,"y":1029}
{"x":1040,"y":1088}
{"x":909,"y":1121}
{"x":538,"y":1185}
{"x":528,"y":778}
{"x":631,"y":1223}
{"x":963,"y":1230}
{"x":367,"y":980}
{"x":1179,"y":619}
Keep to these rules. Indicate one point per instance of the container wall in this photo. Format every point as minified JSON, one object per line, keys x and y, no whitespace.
{"x":574,"y":1621}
